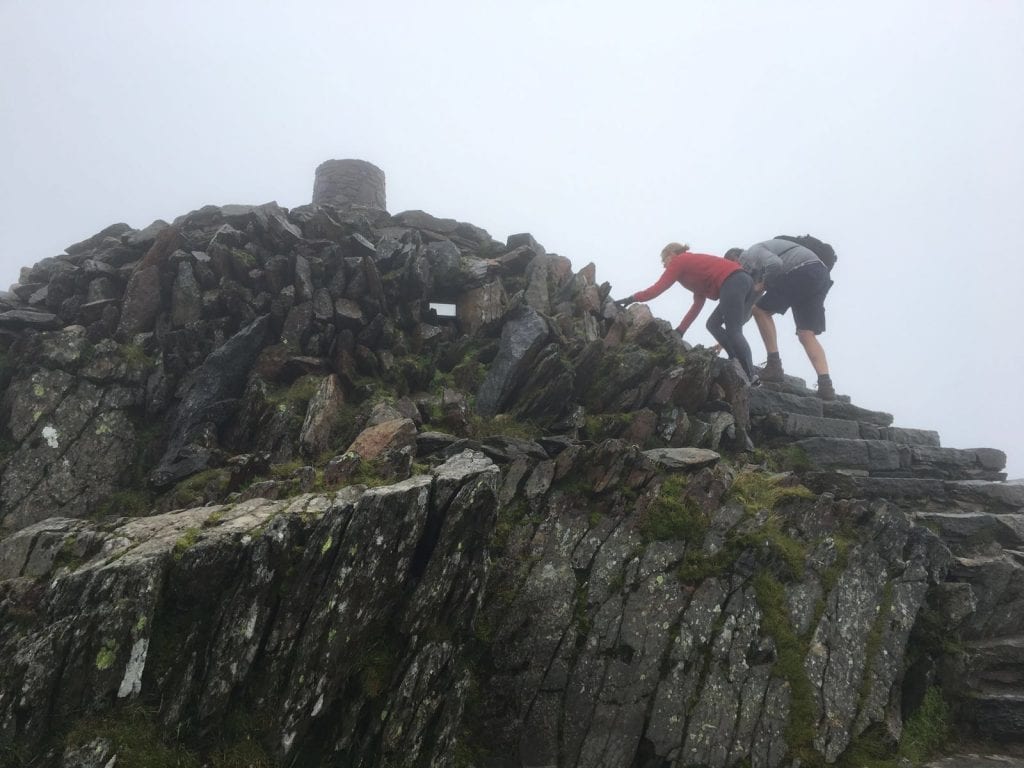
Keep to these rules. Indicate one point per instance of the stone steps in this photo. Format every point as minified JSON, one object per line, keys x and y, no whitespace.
{"x":839,"y":435}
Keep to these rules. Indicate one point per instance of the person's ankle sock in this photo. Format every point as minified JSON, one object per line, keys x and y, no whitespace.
{"x":824,"y":379}
{"x":773,"y":356}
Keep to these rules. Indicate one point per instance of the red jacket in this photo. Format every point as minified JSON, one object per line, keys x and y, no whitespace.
{"x":698,"y":272}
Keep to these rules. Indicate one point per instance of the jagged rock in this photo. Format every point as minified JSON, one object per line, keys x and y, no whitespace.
{"x":522,"y":337}
{"x":142,"y":295}
{"x":220,"y":377}
{"x":113,"y":231}
{"x":186,"y":299}
{"x":321,"y":416}
{"x":482,"y":306}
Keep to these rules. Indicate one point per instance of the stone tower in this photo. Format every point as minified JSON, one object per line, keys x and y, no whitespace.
{"x":346,"y":183}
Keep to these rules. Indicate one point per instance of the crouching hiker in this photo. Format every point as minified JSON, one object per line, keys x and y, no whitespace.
{"x":708,"y":277}
{"x":790,"y":275}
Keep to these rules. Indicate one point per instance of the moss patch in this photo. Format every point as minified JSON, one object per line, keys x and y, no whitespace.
{"x":184,"y":543}
{"x":789,"y":665}
{"x":135,"y":738}
{"x":757,"y":491}
{"x":672,"y":516}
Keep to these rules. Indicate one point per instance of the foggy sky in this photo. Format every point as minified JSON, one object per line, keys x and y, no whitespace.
{"x":891,"y":129}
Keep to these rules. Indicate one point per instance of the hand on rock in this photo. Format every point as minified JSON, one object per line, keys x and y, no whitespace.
{"x":623,"y":303}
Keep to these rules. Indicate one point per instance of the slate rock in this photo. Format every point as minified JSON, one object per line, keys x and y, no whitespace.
{"x":683,"y":458}
{"x":221,"y":377}
{"x":24,"y":318}
{"x":321,"y":416}
{"x":522,"y":337}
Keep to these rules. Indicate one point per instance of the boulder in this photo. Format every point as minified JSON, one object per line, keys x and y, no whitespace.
{"x":376,"y":441}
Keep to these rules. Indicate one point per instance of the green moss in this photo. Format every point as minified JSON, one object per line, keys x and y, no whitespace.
{"x":200,"y":488}
{"x":107,"y":655}
{"x":928,"y":730}
{"x":789,"y":665}
{"x":603,"y":426}
{"x":469,"y":375}
{"x":757,"y":491}
{"x":135,"y":356}
{"x":698,"y":566}
{"x":136,"y":739}
{"x":299,"y":392}
{"x":184,"y":543}
{"x":673,"y":516}
{"x":789,"y":458}
{"x":244,"y":258}
{"x":782,"y":554}
{"x":246,"y":753}
{"x":130,"y":503}
{"x":502,"y":424}
{"x":510,"y":517}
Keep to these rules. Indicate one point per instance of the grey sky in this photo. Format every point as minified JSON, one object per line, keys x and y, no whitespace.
{"x":892,"y":129}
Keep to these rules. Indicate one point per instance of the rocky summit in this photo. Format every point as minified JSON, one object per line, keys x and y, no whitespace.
{"x":334,"y":487}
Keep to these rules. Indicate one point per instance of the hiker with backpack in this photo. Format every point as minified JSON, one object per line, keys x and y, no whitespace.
{"x":791,"y":272}
{"x":708,"y":277}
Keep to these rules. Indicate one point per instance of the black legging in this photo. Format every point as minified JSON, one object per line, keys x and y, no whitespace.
{"x":726,"y":322}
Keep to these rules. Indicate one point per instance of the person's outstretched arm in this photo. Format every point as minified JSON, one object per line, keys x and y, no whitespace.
{"x":669,"y":276}
{"x":691,"y":315}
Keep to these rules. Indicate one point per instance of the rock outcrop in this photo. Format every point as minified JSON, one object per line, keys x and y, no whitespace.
{"x":259,"y":497}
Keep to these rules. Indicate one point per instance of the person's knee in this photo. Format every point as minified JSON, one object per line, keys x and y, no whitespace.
{"x":807,"y":337}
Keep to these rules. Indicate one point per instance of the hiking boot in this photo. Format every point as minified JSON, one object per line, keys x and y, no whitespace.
{"x":772,"y":370}
{"x":826,"y":391}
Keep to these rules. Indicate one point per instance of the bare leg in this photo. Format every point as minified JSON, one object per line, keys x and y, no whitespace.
{"x":766,"y":325}
{"x":815,"y":352}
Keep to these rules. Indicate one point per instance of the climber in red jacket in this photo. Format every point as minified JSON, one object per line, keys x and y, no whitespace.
{"x":708,"y":277}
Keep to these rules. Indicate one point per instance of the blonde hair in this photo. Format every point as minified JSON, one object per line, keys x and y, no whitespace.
{"x":673,"y":249}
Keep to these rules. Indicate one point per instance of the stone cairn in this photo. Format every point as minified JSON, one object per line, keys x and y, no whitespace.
{"x":347,"y":183}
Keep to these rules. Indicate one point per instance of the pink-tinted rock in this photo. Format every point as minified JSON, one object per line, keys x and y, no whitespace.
{"x":374,"y":442}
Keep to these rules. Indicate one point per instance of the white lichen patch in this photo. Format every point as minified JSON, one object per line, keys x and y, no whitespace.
{"x":131,"y":684}
{"x":50,"y":435}
{"x":286,"y":741}
{"x":250,"y":625}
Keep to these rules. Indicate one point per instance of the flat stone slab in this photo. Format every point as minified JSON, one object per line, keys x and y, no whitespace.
{"x":765,"y":401}
{"x":983,"y":458}
{"x":24,"y":318}
{"x":976,"y":529}
{"x":869,"y":455}
{"x":927,"y":437}
{"x":683,"y":458}
{"x":836,"y":409}
{"x":799,"y":425}
{"x":845,"y":486}
{"x":1010,"y":493}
